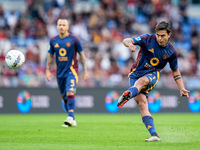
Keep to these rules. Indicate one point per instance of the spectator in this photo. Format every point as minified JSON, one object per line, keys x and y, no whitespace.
{"x":100,"y":31}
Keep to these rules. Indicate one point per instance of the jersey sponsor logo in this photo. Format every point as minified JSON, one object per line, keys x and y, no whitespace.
{"x":68,"y":44}
{"x":154,"y":61}
{"x":148,"y":66}
{"x":138,"y":39}
{"x":56,"y":45}
{"x":62,"y":53}
{"x":151,"y":50}
{"x":165,"y":56}
{"x":63,"y":58}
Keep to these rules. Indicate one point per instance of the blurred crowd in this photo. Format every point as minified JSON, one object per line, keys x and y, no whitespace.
{"x":101,"y":25}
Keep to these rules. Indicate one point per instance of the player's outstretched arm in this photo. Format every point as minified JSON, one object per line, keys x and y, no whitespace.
{"x":48,"y":66}
{"x":128,"y":42}
{"x":85,"y":74}
{"x":177,"y":77}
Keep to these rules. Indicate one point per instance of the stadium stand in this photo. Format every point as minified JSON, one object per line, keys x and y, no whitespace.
{"x":100,"y":25}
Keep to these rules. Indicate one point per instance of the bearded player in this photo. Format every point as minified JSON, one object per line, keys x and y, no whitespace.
{"x":65,"y":47}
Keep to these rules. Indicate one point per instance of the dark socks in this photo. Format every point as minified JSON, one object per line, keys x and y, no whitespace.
{"x":154,"y":134}
{"x":134,"y":91}
{"x":65,"y":104}
{"x":148,"y":121}
{"x":71,"y":106}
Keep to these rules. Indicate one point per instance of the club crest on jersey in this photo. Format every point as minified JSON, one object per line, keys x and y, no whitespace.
{"x":165,"y":56}
{"x":68,"y":44}
{"x":154,"y":61}
{"x":138,"y":39}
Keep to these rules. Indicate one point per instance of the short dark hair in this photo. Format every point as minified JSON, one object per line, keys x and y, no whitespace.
{"x":63,"y":18}
{"x":163,"y":26}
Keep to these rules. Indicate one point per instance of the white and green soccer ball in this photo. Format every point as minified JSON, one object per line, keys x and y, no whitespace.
{"x":14,"y":59}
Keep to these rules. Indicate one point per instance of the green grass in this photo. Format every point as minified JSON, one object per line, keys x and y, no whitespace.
{"x":98,"y":132}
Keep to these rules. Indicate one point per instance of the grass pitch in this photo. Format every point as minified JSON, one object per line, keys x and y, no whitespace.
{"x":98,"y":132}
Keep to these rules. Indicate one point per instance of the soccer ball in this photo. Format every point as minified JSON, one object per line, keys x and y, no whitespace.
{"x":14,"y":59}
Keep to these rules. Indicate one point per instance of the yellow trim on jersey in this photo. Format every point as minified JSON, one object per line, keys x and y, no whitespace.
{"x":74,"y":72}
{"x":134,"y":68}
{"x":131,"y":72}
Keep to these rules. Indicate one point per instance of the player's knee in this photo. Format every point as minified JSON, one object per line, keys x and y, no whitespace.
{"x":144,"y":81}
{"x":70,"y":94}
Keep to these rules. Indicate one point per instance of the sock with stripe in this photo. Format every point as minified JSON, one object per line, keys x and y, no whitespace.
{"x":148,"y":121}
{"x":71,"y":106}
{"x":134,"y":91}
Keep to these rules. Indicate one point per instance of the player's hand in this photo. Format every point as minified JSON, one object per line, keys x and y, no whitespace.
{"x":184,"y":92}
{"x":85,"y":76}
{"x":48,"y":75}
{"x":132,"y":48}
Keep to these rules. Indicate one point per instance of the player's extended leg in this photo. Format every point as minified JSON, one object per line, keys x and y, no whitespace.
{"x":133,"y":91}
{"x":147,"y":118}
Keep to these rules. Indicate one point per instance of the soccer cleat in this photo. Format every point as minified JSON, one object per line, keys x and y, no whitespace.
{"x":70,"y":122}
{"x":124,"y":98}
{"x":65,"y":126}
{"x":153,"y":139}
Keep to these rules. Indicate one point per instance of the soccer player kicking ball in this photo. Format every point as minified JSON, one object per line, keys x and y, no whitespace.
{"x":155,"y":51}
{"x":65,"y":47}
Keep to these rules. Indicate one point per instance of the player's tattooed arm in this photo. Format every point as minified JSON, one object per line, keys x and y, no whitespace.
{"x":48,"y":66}
{"x":49,"y":61}
{"x":85,"y":74}
{"x":128,"y":42}
{"x":176,"y":77}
